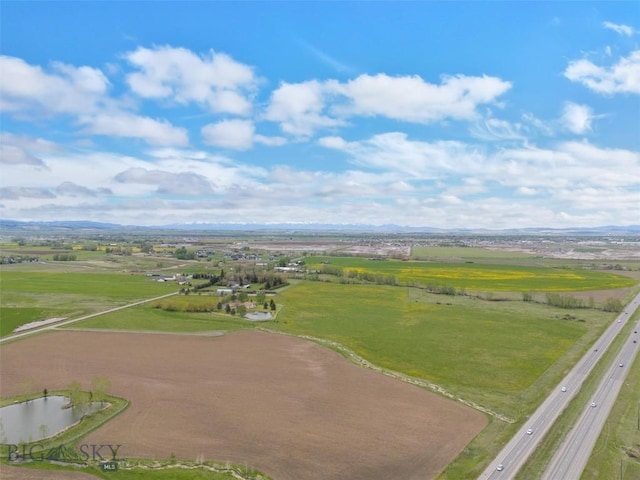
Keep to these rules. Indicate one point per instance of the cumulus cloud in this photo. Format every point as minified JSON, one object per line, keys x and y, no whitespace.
{"x":300,"y":108}
{"x":16,"y":193}
{"x":622,"y":77}
{"x":64,"y":89}
{"x":168,"y":183}
{"x":233,"y":134}
{"x":577,"y":118}
{"x":71,"y":189}
{"x":237,"y":134}
{"x":619,"y":28}
{"x":13,"y":155}
{"x":395,"y":152}
{"x":270,"y":141}
{"x":568,"y":165}
{"x":527,"y":191}
{"x":29,"y":144}
{"x":303,"y":108}
{"x":411,"y":99}
{"x":455,"y":173}
{"x":214,"y":80}
{"x":82,"y":93}
{"x":128,"y":125}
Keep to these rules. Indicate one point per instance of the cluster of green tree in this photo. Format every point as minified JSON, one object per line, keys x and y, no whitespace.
{"x":563,"y":301}
{"x":90,"y":248}
{"x":272,"y":281}
{"x":182,"y":253}
{"x":64,"y":257}
{"x":613,"y":305}
{"x":61,"y":246}
{"x":189,"y":307}
{"x":331,"y":270}
{"x":100,"y":387}
{"x":443,"y":290}
{"x":242,"y":276}
{"x":207,"y":276}
{"x":146,"y":248}
{"x":211,"y":281}
{"x":377,"y":278}
{"x":252,"y":277}
{"x":201,"y":307}
{"x":118,"y":251}
{"x":208,"y":307}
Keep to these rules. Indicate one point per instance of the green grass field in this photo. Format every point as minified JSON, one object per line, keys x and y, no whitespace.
{"x":35,"y":295}
{"x":147,"y":318}
{"x":501,"y":355}
{"x":488,"y":352}
{"x":465,"y":253}
{"x":479,"y":277}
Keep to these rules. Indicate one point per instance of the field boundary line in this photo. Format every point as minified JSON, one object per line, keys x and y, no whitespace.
{"x":362,"y":362}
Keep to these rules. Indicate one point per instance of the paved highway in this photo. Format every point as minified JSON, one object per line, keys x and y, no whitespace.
{"x":521,"y":446}
{"x":572,"y":456}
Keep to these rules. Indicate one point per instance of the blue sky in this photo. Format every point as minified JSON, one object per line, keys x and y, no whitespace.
{"x":443,"y":114}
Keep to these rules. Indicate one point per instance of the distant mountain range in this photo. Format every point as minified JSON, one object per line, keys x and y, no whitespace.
{"x":16,"y":226}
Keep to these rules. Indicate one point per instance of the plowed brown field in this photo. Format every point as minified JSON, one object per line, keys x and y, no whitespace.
{"x":286,"y":406}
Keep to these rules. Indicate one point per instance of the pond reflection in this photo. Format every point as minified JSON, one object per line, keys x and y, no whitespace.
{"x":40,"y":418}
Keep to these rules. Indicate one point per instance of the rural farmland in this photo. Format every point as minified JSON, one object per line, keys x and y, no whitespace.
{"x":346,"y":344}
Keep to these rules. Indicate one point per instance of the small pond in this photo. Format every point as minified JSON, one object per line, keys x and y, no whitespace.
{"x":258,"y":316}
{"x":41,"y":418}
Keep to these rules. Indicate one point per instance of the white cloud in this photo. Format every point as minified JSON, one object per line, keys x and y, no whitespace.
{"x":11,"y":154}
{"x":577,"y":118}
{"x":27,"y":90}
{"x":543,"y":127}
{"x":233,"y":134}
{"x":122,"y":124}
{"x":30,"y":144}
{"x":168,"y":183}
{"x":527,"y":191}
{"x":395,"y":152}
{"x":498,"y":130}
{"x":16,"y":193}
{"x":71,"y":189}
{"x":445,"y":175}
{"x":411,"y":99}
{"x":619,"y":28}
{"x":569,"y":165}
{"x":214,"y":80}
{"x":303,"y":108}
{"x":270,"y":141}
{"x":169,"y":152}
{"x":333,"y":142}
{"x":623,"y":77}
{"x":299,"y":108}
{"x":237,"y":135}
